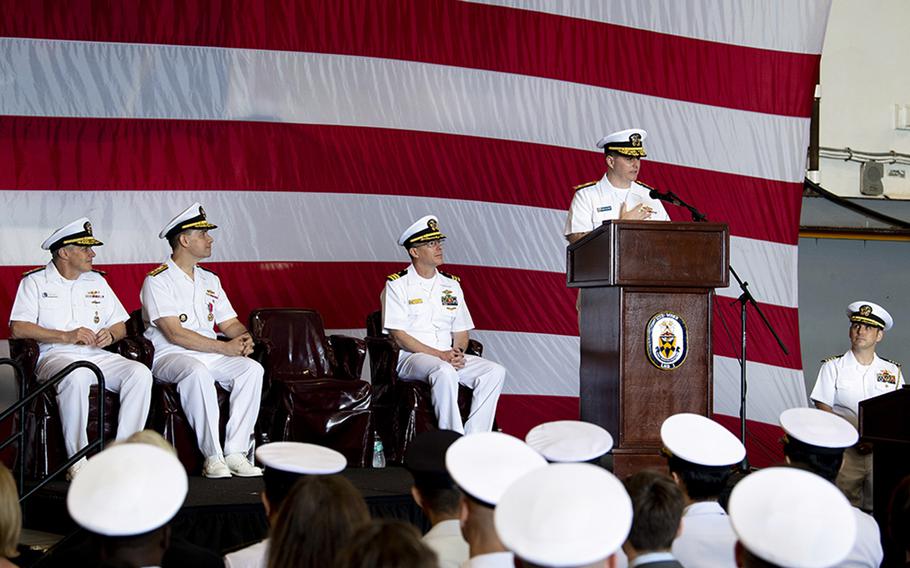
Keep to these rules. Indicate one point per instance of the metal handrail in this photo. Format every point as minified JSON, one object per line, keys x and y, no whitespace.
{"x":24,"y":400}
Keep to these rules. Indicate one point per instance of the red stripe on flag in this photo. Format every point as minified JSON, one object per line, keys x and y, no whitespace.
{"x":344,"y":293}
{"x":761,"y":347}
{"x":763,"y":447}
{"x":517,"y":414}
{"x":450,"y":33}
{"x":41,"y":153}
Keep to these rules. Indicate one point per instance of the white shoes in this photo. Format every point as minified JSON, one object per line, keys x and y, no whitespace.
{"x":241,"y":467}
{"x":215,"y":468}
{"x":74,"y":469}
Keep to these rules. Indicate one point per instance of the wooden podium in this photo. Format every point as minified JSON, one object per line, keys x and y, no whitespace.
{"x":645,"y":323}
{"x":885,"y":422}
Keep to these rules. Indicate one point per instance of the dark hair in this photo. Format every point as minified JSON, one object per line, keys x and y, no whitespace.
{"x":315,"y":522}
{"x":899,"y":514}
{"x":824,"y":464}
{"x":657,"y":507}
{"x":700,"y":482}
{"x":386,"y":544}
{"x":277,"y":486}
{"x":174,"y":240}
{"x":753,"y":561}
{"x":438,"y":499}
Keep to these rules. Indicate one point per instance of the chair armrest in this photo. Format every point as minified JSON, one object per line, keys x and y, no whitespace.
{"x":26,"y":352}
{"x":474,"y":348}
{"x":383,"y":360}
{"x":350,"y":353}
{"x":136,"y":348}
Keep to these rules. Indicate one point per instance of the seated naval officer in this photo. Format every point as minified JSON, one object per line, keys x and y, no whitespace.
{"x":181,"y":303}
{"x":71,"y":311}
{"x":425,"y":311}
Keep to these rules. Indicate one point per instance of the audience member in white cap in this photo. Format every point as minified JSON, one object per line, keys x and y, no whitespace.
{"x":285,"y":463}
{"x":126,"y":496}
{"x":790,"y":518}
{"x":71,"y":311}
{"x":424,"y":310}
{"x":181,"y":303}
{"x":386,"y":543}
{"x":316,"y":522}
{"x":484,"y":466}
{"x":566,"y":441}
{"x":816,"y":440}
{"x":437,"y":495}
{"x":846,"y":380}
{"x":618,"y":194}
{"x":701,"y":454}
{"x":562,"y":515}
{"x":657,"y":507}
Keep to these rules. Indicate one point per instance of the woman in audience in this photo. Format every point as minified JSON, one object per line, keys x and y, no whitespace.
{"x":316,"y":522}
{"x":386,"y":544}
{"x":10,"y":518}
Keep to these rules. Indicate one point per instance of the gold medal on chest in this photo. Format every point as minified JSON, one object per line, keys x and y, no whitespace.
{"x":97,"y":318}
{"x":211,"y":317}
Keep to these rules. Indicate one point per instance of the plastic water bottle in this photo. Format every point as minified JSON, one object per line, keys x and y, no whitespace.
{"x":378,"y":453}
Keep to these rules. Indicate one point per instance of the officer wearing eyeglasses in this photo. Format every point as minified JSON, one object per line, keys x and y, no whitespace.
{"x":424,"y":310}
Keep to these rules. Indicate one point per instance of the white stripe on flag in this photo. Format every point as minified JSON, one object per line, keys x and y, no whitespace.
{"x":770,"y":389}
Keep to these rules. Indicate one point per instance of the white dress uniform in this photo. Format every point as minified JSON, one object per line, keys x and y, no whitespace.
{"x":842,"y":384}
{"x":253,"y":556}
{"x":51,"y":301}
{"x":199,"y":303}
{"x":707,"y":538}
{"x":430,"y":311}
{"x":600,"y":201}
{"x":491,"y":560}
{"x":446,"y":540}
{"x":867,"y":551}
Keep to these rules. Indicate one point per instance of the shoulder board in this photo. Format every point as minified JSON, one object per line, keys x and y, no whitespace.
{"x":158,"y":270}
{"x":895,"y":363}
{"x":832,"y":358}
{"x":643,"y":184}
{"x":452,"y":276}
{"x":584,"y":185}
{"x":207,"y":269}
{"x":101,"y":272}
{"x":397,"y":275}
{"x":33,"y":270}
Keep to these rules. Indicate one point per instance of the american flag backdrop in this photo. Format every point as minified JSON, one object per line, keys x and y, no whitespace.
{"x":314,"y":131}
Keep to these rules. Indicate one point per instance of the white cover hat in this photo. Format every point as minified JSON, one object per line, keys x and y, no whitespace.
{"x":422,"y":230}
{"x":484,"y":464}
{"x":629,"y":142}
{"x":127,"y":490}
{"x":870,"y":313}
{"x":193,"y":217}
{"x":569,"y":441}
{"x":700,"y":440}
{"x":818,"y":428}
{"x":78,"y":232}
{"x":793,"y":518}
{"x":298,"y":457}
{"x":570,"y":514}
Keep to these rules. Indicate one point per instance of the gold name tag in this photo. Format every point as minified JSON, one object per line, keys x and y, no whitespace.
{"x":415,"y":301}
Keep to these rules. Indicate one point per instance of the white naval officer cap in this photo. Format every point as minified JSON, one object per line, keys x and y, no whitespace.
{"x":869,"y":313}
{"x":301,"y":458}
{"x":422,"y":230}
{"x":78,"y":232}
{"x":569,"y":441}
{"x":569,"y":514}
{"x":627,"y":142}
{"x":817,"y":428}
{"x":127,"y":490}
{"x":484,"y":464}
{"x":193,"y":217}
{"x":791,"y":517}
{"x":701,"y":441}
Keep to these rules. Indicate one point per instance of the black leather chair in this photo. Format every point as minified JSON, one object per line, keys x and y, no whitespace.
{"x":403,"y":409}
{"x":312,"y":389}
{"x":43,"y":450}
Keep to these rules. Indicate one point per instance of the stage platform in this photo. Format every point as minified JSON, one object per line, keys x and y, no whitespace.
{"x":224,"y":514}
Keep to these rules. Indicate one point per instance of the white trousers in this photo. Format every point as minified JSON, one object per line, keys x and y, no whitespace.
{"x":482,"y":375}
{"x":195,"y":374}
{"x":131,"y":379}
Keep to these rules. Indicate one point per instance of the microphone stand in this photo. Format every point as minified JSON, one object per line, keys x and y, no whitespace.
{"x":744,"y":300}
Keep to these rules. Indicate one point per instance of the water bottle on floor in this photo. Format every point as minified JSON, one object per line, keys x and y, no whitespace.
{"x":378,"y":452}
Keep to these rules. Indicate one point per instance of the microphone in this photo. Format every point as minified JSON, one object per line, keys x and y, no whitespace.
{"x":672,"y":198}
{"x":669,"y":197}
